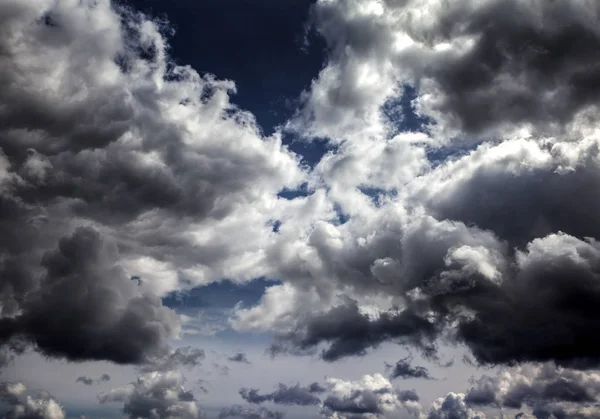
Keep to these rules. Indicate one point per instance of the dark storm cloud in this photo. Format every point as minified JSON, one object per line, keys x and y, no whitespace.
{"x":84,"y":287}
{"x":350,"y":332}
{"x":238,"y":411}
{"x":491,"y":196}
{"x":286,"y":395}
{"x":530,"y":62}
{"x":239,"y":357}
{"x":545,"y":312}
{"x":544,"y":309}
{"x":404,"y":369}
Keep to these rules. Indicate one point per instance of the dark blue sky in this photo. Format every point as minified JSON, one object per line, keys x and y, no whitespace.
{"x":260,"y":44}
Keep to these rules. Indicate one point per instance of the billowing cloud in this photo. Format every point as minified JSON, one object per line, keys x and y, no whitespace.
{"x":371,"y":396}
{"x":117,"y":164}
{"x":453,"y":406}
{"x":477,"y":67}
{"x":22,"y":405}
{"x":155,"y":395}
{"x":542,"y":388}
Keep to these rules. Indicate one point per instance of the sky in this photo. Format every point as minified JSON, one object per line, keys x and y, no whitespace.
{"x":301,"y":209}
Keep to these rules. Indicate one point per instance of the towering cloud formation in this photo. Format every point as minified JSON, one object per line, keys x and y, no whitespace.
{"x":481,"y":227}
{"x":488,"y":244}
{"x":115,"y":163}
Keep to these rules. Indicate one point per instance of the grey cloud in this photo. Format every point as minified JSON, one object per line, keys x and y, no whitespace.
{"x":530,"y":62}
{"x":286,"y":395}
{"x":249,"y":413}
{"x":22,"y":404}
{"x":357,"y":403}
{"x":467,"y":283}
{"x":350,"y":332}
{"x":181,"y":357}
{"x":99,"y":180}
{"x":84,"y":287}
{"x":372,"y":395}
{"x":239,"y":357}
{"x":155,"y":395}
{"x":536,"y":386}
{"x":88,"y":381}
{"x":316,"y":388}
{"x":452,"y":406}
{"x":403,"y":369}
{"x":85,"y":380}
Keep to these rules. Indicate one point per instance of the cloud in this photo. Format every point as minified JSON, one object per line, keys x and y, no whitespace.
{"x":130,"y":164}
{"x":372,"y":395}
{"x":249,"y":413}
{"x":85,"y":380}
{"x":416,"y":277}
{"x":239,"y":357}
{"x":351,"y":332}
{"x":108,"y":317}
{"x":542,"y":387}
{"x":22,"y":405}
{"x":89,"y":381}
{"x":452,"y":406}
{"x":181,"y":357}
{"x":465,"y":58}
{"x":155,"y":395}
{"x":403,"y":369}
{"x":286,"y":395}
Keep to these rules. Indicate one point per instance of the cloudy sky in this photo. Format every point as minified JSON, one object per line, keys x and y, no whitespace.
{"x":301,"y":209}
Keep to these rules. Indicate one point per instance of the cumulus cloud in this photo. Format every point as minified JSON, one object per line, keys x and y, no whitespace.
{"x":23,"y":405}
{"x":108,"y":316}
{"x":477,"y":67}
{"x":371,"y":396}
{"x":155,"y":395}
{"x":453,"y":406}
{"x":118,"y":164}
{"x":481,"y":229}
{"x":414,"y":276}
{"x":543,"y":388}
